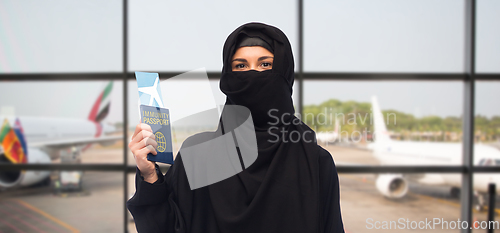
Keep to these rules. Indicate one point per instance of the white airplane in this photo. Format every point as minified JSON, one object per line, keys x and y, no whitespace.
{"x":390,"y":152}
{"x":48,"y":139}
{"x":329,"y":137}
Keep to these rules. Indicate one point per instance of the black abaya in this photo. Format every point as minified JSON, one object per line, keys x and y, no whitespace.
{"x":291,"y":187}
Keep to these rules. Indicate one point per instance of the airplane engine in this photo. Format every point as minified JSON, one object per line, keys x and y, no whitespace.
{"x":392,"y":185}
{"x":9,"y":179}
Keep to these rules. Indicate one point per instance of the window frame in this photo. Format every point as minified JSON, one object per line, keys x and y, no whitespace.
{"x":468,"y":77}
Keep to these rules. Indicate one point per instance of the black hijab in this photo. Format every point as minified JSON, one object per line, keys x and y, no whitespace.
{"x":279,"y":192}
{"x":283,"y":190}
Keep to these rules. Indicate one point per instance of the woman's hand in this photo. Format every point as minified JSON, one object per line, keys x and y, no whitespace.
{"x":142,"y":143}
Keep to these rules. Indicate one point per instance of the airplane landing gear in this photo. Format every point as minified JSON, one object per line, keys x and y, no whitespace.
{"x":70,"y":181}
{"x":480,"y":201}
{"x":455,"y":192}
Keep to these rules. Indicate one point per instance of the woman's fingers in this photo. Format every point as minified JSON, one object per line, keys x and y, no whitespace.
{"x":139,"y":139}
{"x":142,"y":126}
{"x":141,"y":135}
{"x":149,"y":149}
{"x":148,"y":142}
{"x":144,"y":151}
{"x":146,"y":167}
{"x":143,"y":142}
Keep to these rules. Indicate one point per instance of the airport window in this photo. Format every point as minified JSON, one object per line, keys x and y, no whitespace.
{"x":61,"y":110}
{"x":62,"y":202}
{"x":488,"y":48}
{"x":481,"y":202}
{"x":403,"y":203}
{"x":343,"y":115}
{"x":171,"y":32}
{"x":487,"y":122}
{"x":61,"y":37}
{"x":384,"y":36}
{"x":434,"y":64}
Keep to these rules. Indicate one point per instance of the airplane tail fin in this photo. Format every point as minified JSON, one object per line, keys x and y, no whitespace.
{"x":100,"y":109}
{"x":380,"y":130}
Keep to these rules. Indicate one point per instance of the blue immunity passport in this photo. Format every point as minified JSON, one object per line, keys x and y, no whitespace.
{"x":159,"y":120}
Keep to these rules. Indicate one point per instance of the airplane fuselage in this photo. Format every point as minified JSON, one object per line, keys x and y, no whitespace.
{"x":435,"y":154}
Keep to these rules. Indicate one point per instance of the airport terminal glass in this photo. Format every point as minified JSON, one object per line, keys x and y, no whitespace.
{"x":399,"y":203}
{"x":384,"y":36}
{"x":387,"y":122}
{"x":487,"y":124}
{"x":481,"y":201}
{"x":486,"y":150}
{"x":487,"y":37}
{"x":58,"y":205}
{"x":63,"y":36}
{"x":60,"y":119}
{"x":86,"y":37}
{"x":180,"y":36}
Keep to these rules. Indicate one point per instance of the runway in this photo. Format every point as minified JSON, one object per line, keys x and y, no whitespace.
{"x":99,"y":207}
{"x":363,"y":205}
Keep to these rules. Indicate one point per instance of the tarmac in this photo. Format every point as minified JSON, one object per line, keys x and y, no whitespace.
{"x":99,"y":206}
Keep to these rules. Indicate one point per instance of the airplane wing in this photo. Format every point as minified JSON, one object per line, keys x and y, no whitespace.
{"x":63,"y":143}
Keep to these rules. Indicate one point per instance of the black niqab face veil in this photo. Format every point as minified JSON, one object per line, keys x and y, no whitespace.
{"x":267,"y":94}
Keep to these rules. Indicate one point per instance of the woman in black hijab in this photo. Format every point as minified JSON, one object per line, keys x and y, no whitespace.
{"x":292,"y":186}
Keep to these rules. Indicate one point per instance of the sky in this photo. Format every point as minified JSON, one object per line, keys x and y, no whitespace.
{"x":418,"y":36}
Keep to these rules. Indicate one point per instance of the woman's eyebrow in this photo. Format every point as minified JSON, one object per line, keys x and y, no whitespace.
{"x":239,"y":59}
{"x":264,"y":57}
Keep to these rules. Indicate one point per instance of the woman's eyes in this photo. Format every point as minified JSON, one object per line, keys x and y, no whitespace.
{"x":267,"y":64}
{"x":239,"y":66}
